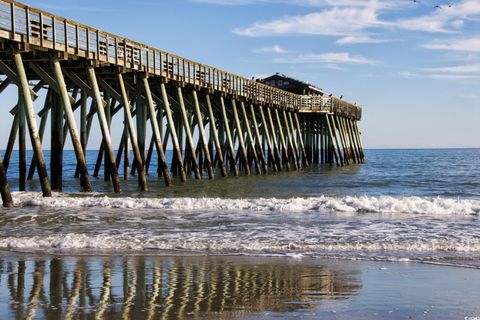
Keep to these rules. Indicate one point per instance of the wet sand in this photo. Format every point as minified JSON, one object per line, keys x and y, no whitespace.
{"x":209,"y":287}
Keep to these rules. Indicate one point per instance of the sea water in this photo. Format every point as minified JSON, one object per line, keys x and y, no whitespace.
{"x":402,"y":205}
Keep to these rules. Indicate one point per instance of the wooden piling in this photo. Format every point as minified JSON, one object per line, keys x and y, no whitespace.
{"x":188,"y":133}
{"x":352,"y":141}
{"x":230,"y":145}
{"x":359,"y":138}
{"x":332,"y":137}
{"x":7,"y":200}
{"x":156,"y":132}
{"x":294,"y":139}
{"x":214,"y":134}
{"x":261,"y":151}
{"x":282,"y":139}
{"x":108,"y":116}
{"x":343,"y":129}
{"x":202,"y":135}
{"x":173,"y":132}
{"x":142,"y":179}
{"x":22,"y":147}
{"x":41,"y":131}
{"x":250,"y":138}
{"x":269,"y":131}
{"x":11,"y":140}
{"x":104,"y":128}
{"x":72,"y":126}
{"x":291,"y":144}
{"x":299,"y":129}
{"x":56,"y":136}
{"x":342,"y":141}
{"x":241,"y":144}
{"x":32,"y":125}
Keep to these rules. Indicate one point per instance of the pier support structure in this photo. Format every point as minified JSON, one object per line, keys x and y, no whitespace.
{"x":218,"y":124}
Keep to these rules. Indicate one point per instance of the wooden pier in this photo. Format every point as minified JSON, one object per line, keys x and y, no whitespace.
{"x":219,"y":124}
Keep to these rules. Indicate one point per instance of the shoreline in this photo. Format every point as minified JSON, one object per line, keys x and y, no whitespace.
{"x":201,"y":254}
{"x":198,"y":287}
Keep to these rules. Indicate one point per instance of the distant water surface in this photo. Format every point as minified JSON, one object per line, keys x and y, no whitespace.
{"x":419,"y":205}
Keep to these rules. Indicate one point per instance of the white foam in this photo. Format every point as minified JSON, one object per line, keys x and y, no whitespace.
{"x":226,"y":245}
{"x":351,"y":204}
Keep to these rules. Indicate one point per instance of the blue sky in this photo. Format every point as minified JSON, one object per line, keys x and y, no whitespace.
{"x":413,"y":65}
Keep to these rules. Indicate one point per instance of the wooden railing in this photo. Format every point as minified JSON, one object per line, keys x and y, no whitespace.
{"x":21,"y":23}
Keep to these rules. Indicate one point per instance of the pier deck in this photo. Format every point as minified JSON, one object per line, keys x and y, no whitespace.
{"x":218,"y":123}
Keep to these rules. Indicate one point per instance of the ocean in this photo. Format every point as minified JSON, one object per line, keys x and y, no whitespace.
{"x":417,"y":207}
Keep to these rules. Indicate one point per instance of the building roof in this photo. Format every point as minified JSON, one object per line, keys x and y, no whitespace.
{"x":295,"y":81}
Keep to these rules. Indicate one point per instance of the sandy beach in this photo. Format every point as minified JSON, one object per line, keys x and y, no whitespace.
{"x":231,"y":287}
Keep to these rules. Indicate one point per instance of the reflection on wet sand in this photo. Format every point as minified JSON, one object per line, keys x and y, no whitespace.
{"x":164,"y":287}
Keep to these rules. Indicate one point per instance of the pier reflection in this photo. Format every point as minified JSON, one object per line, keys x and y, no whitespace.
{"x":164,"y":287}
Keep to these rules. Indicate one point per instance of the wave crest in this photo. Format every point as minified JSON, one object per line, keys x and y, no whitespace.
{"x":349,"y":204}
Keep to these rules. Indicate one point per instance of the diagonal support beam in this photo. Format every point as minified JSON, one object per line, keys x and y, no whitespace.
{"x":16,"y":78}
{"x":39,"y":71}
{"x":5,"y":84}
{"x":83,"y":85}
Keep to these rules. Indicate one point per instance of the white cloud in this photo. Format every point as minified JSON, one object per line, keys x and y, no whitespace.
{"x":272,"y":49}
{"x":425,"y":23}
{"x":310,"y":3}
{"x":231,"y":2}
{"x":354,"y":20}
{"x":439,"y":76}
{"x":454,"y":76}
{"x":467,"y":45}
{"x":335,"y":21}
{"x":328,"y":59}
{"x":444,"y":18}
{"x":407,"y":75}
{"x":359,"y":39}
{"x":462,"y":69}
{"x":459,"y":72}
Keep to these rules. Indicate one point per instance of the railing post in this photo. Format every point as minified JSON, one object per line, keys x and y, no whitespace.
{"x":12,"y":19}
{"x":27,"y":23}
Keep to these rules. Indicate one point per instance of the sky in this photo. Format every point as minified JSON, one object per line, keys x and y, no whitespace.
{"x":414,"y":65}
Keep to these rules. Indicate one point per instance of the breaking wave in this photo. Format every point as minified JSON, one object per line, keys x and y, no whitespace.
{"x":349,"y":204}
